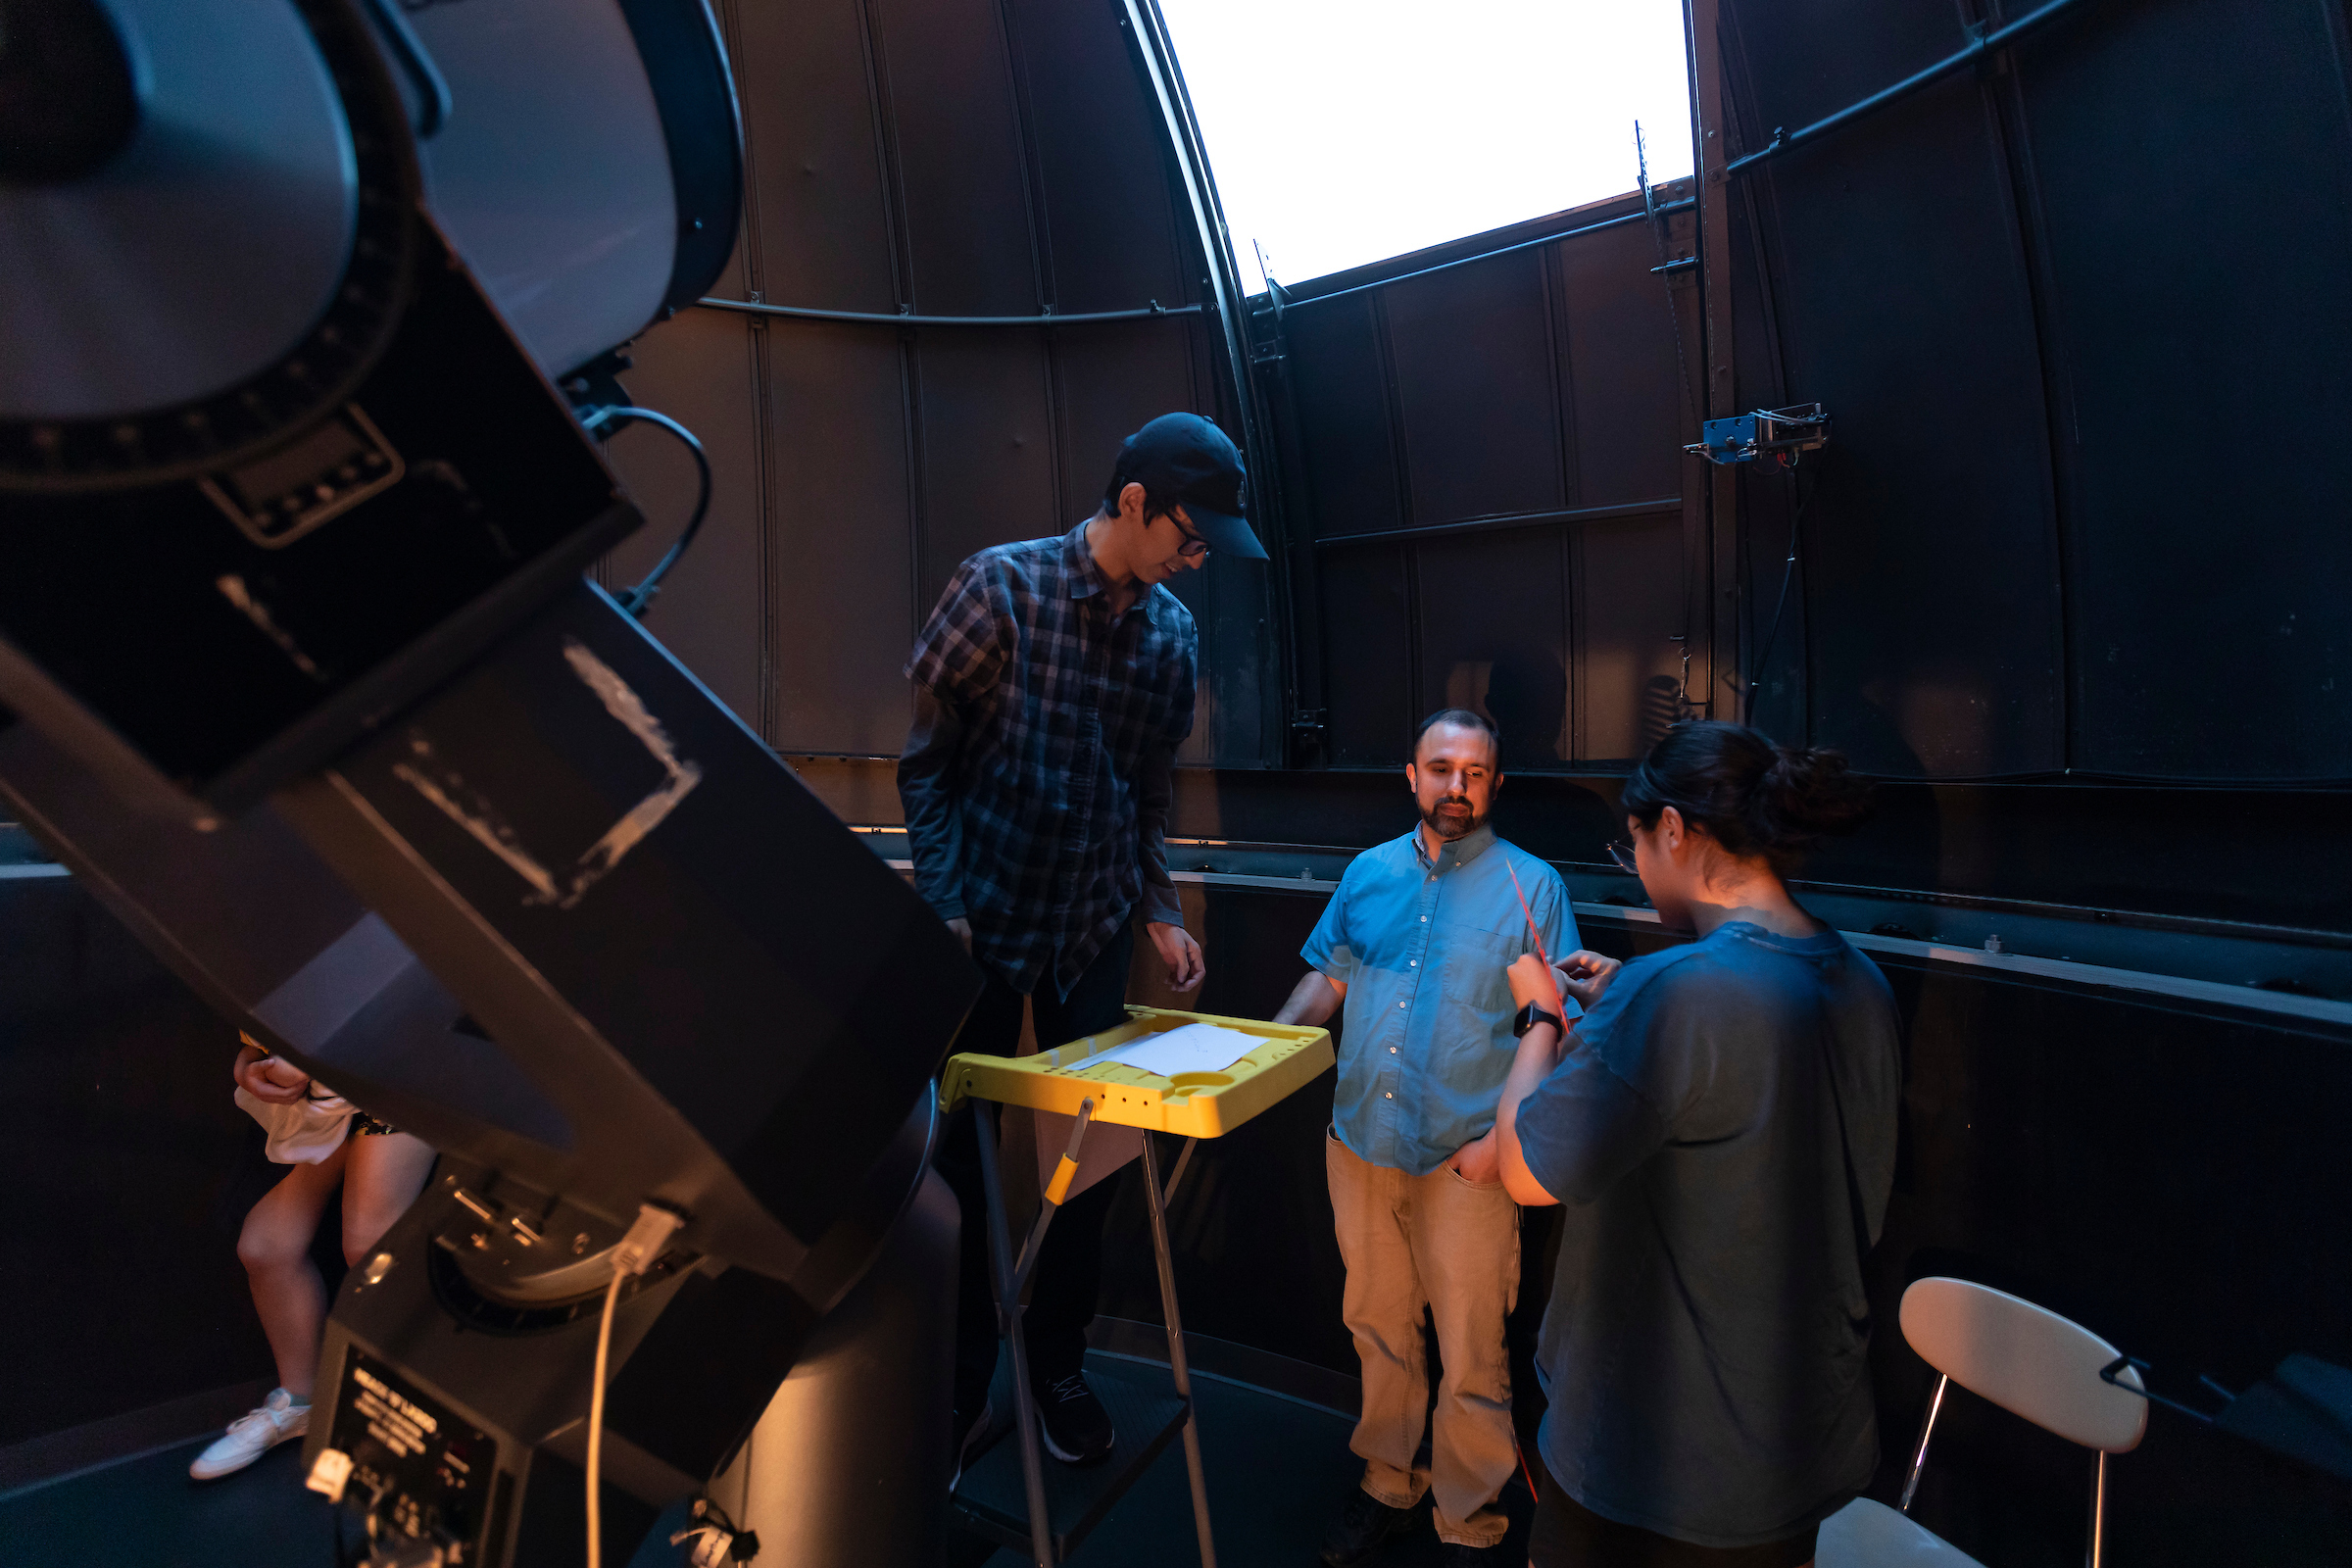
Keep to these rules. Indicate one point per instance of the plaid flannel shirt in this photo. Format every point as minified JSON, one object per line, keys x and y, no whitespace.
{"x":1036,"y":780}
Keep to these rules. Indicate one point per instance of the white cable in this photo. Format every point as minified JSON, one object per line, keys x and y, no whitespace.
{"x":595,"y":1424}
{"x":634,"y":1256}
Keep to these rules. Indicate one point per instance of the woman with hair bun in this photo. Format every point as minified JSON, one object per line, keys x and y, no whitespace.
{"x":1721,"y":1126}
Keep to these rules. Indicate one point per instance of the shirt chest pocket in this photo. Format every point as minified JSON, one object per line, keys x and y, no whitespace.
{"x":1474,"y":974}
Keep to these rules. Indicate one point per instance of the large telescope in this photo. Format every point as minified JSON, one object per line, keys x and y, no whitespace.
{"x":304,"y":679}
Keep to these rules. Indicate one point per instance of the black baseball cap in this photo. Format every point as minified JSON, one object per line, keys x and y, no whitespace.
{"x":1186,"y":459}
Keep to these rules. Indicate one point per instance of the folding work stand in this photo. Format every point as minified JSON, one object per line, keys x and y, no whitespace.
{"x":1057,"y":1510}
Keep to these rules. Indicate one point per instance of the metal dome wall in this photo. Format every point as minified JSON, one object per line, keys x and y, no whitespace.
{"x":932,"y":158}
{"x":2077,"y":309}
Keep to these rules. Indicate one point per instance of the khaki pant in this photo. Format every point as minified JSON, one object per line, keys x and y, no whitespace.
{"x":1440,"y":1241}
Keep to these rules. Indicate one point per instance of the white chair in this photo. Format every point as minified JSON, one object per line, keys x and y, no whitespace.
{"x":2027,"y":1360}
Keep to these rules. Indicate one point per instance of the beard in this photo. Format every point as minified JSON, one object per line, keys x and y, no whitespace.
{"x":1453,"y":819}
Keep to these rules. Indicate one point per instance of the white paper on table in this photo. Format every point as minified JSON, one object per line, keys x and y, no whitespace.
{"x":1192,"y":1048}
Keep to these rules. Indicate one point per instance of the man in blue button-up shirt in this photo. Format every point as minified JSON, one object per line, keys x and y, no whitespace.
{"x":1416,"y":942}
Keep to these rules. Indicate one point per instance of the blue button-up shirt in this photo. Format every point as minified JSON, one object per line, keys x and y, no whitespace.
{"x":1421,"y":947}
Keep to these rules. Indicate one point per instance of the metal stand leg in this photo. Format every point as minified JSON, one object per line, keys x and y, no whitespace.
{"x":1008,"y":1319}
{"x":1919,"y":1454}
{"x":2095,"y":1553}
{"x":1013,"y":1278}
{"x":1176,"y":1367}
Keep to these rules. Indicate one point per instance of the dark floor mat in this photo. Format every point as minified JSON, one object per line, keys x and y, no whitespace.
{"x":147,"y":1510}
{"x":1278,"y":1471}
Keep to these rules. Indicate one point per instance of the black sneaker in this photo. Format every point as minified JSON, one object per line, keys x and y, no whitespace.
{"x":1458,"y":1555}
{"x":1077,"y":1427}
{"x":1356,"y":1534}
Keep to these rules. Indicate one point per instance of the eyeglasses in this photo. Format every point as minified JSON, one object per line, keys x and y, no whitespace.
{"x":1195,"y":547}
{"x":1623,"y":853}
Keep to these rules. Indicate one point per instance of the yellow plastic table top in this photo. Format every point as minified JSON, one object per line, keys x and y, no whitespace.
{"x":1195,"y":1104}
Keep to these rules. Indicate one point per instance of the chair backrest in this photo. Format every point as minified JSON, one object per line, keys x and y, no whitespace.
{"x":2025,"y":1358}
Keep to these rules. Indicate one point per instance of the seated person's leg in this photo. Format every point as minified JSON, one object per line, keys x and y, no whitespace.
{"x":386,"y":1172}
{"x":274,"y":1246}
{"x":291,"y":1301}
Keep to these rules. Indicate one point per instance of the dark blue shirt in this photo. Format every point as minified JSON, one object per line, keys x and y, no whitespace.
{"x":1722,"y":1138}
{"x":1422,"y":948}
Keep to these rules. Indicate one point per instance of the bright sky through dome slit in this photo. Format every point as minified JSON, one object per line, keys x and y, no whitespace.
{"x":1345,"y":132}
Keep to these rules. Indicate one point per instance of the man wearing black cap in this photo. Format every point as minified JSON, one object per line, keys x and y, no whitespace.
{"x":1052,"y":685}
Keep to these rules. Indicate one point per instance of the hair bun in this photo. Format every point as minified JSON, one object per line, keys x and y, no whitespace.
{"x":1806,"y":792}
{"x":1753,"y":796}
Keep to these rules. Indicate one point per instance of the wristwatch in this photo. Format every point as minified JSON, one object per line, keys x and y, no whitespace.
{"x":1531,"y":1015}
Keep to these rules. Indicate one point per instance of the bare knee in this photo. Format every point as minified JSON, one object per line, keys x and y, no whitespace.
{"x":363,"y":1226}
{"x":357,"y":1248}
{"x":277,"y":1230}
{"x":263,"y":1245}
{"x":384,"y":1177}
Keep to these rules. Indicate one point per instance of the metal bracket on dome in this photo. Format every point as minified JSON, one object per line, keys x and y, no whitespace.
{"x":1778,"y":433}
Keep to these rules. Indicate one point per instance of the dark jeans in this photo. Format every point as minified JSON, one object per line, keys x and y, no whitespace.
{"x":1070,"y":1269}
{"x":1569,"y":1535}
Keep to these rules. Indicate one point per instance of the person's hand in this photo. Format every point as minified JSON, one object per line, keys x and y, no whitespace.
{"x":1478,"y":1161}
{"x":1180,"y":953}
{"x":1585,"y":976}
{"x":1531,"y":982}
{"x":963,"y":931}
{"x":274,"y":1080}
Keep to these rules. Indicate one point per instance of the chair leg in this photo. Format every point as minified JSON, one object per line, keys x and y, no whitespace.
{"x":1919,"y":1454}
{"x":2097,"y":1550}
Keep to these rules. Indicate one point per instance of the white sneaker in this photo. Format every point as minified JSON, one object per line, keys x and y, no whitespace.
{"x":252,"y":1435}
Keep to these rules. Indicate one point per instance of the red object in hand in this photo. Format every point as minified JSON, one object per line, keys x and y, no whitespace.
{"x":1559,"y":1009}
